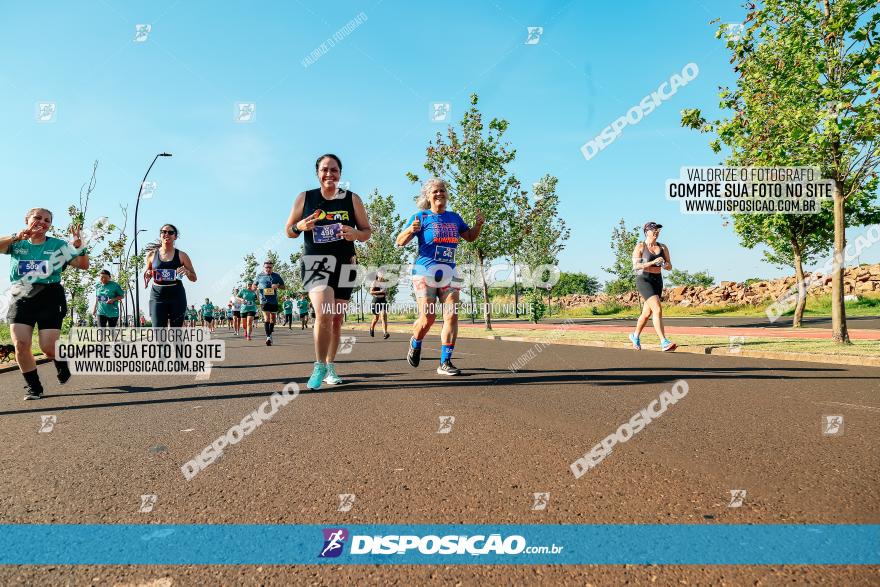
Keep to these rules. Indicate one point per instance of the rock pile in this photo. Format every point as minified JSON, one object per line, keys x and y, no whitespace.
{"x":857,"y":281}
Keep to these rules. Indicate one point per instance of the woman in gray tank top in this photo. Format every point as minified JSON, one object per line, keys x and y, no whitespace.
{"x":649,"y":258}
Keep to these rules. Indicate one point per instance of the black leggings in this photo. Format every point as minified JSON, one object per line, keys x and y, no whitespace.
{"x":168,"y":306}
{"x":105,"y":321}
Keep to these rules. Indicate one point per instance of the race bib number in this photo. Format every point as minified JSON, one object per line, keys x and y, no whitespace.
{"x":327,"y":233}
{"x":269,"y":291}
{"x":165,"y":275}
{"x":444,"y":254}
{"x":37,"y":268}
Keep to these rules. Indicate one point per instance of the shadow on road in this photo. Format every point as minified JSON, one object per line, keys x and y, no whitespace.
{"x":482,"y":378}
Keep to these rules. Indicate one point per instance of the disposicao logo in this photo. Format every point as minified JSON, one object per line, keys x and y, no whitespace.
{"x":445,"y":545}
{"x":334,"y":541}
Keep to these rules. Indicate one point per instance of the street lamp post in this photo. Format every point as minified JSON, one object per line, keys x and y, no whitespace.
{"x":137,"y":289}
{"x":123,"y":261}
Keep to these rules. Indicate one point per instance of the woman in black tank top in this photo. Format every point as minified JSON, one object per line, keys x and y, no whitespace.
{"x":166,"y":265}
{"x":649,"y":257}
{"x":379,"y":305}
{"x":330,"y":220}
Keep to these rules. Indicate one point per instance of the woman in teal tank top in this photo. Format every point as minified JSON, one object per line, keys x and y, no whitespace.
{"x":38,"y":298}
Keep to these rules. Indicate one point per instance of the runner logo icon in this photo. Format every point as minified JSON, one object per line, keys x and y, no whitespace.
{"x":833,"y":425}
{"x":334,"y":541}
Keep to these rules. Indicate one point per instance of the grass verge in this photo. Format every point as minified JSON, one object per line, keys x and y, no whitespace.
{"x":6,"y":338}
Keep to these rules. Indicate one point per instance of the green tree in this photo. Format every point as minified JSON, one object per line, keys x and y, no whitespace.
{"x":116,"y":258}
{"x":250,"y":268}
{"x":623,"y":242}
{"x":381,"y":249}
{"x":544,"y":232}
{"x":519,"y":231}
{"x":287,"y":272}
{"x":807,"y":95}
{"x":698,"y":279}
{"x":791,"y":241}
{"x":536,"y":305}
{"x":575,"y":283}
{"x":468,"y":264}
{"x":296,"y":285}
{"x":79,"y":284}
{"x":474,"y":160}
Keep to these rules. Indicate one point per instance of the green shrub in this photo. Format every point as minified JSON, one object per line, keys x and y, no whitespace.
{"x":535,"y":301}
{"x":607,"y":308}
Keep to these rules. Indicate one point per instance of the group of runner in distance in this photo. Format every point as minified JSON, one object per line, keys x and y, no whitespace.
{"x":329,"y":220}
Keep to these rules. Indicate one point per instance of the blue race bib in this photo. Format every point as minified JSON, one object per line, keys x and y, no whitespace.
{"x":327,"y":233}
{"x":444,"y":254}
{"x":165,"y":275}
{"x":35,"y":268}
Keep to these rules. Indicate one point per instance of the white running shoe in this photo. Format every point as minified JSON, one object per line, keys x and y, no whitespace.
{"x":332,"y":378}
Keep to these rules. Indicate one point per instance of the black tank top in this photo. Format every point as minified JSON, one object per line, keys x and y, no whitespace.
{"x":648,"y":256}
{"x":325,"y":238}
{"x":161,"y":268}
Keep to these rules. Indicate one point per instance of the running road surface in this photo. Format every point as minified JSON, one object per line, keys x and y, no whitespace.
{"x":747,"y":424}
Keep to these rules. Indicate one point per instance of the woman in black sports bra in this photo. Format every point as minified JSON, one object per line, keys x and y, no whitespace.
{"x":166,"y":266}
{"x":379,"y":305}
{"x":648,"y":258}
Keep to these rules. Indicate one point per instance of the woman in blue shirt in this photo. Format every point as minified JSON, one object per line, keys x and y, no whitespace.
{"x":434,"y":276}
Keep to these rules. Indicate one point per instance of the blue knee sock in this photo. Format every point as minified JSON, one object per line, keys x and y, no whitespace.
{"x":416,"y":344}
{"x":446,"y":352}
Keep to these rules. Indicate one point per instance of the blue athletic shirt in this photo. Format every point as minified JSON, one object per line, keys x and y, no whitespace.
{"x":438,"y":239}
{"x":266,"y":286}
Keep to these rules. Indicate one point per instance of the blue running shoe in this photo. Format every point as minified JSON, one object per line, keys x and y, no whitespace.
{"x":635,"y":340}
{"x":318,"y":375}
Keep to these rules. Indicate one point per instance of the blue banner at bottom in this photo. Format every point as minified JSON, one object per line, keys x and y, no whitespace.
{"x":531,"y":544}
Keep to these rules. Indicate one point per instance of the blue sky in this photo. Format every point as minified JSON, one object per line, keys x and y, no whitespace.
{"x":230,"y":185}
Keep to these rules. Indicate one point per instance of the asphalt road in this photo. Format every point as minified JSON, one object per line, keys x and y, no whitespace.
{"x":745,"y":424}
